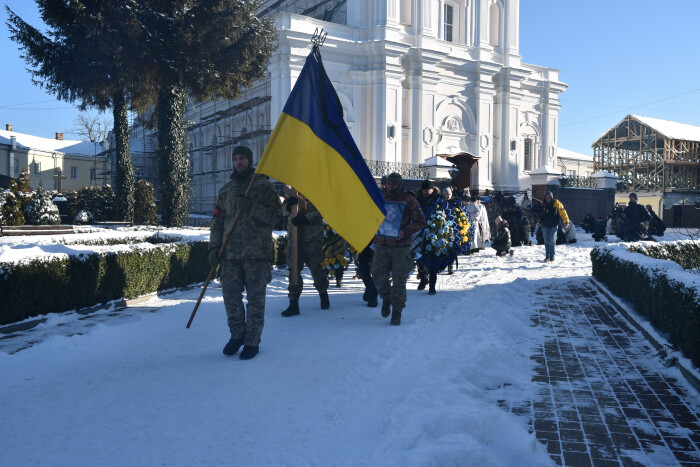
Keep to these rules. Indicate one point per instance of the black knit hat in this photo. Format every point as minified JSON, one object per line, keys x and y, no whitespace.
{"x":633,"y":195}
{"x":426,"y":185}
{"x":244,"y":151}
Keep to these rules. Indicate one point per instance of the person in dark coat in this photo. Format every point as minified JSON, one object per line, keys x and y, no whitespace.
{"x":427,"y":194}
{"x":588,"y":223}
{"x":599,"y":233}
{"x":656,"y":225}
{"x":633,"y":215}
{"x":501,"y":242}
{"x":514,"y":216}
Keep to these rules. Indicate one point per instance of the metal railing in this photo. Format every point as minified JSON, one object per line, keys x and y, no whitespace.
{"x":379,"y":168}
{"x":577,"y":181}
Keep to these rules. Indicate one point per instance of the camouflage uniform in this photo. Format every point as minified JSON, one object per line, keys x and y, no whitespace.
{"x":249,"y":252}
{"x":309,"y":248}
{"x":392,"y":256}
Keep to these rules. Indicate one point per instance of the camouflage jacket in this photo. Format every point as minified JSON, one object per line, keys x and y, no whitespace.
{"x":413,"y":221}
{"x":314,"y":230}
{"x":252,"y":236}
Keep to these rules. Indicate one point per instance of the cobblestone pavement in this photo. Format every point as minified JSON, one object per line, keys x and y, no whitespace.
{"x":605,"y":397}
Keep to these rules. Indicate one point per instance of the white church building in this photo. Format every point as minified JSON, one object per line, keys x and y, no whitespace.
{"x":423,"y":84}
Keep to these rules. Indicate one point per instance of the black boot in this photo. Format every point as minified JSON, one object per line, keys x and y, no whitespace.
{"x":372,"y":302}
{"x":249,"y":351}
{"x":292,"y":309}
{"x":339,"y":279}
{"x":232,"y":346}
{"x":423,"y":283}
{"x":449,"y":269}
{"x":432,"y":280}
{"x":386,"y":308}
{"x":325,"y":301}
{"x":395,"y":318}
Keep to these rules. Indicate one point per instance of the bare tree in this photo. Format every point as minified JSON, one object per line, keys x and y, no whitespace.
{"x":91,"y":127}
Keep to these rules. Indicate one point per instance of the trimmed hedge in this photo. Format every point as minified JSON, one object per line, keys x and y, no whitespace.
{"x":40,"y":287}
{"x":670,"y":306}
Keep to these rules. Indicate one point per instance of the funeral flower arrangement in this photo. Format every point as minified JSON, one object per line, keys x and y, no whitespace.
{"x":337,"y":253}
{"x":464,"y":231}
{"x":438,"y":236}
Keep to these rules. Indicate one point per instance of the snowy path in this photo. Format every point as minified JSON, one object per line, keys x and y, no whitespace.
{"x":337,"y":387}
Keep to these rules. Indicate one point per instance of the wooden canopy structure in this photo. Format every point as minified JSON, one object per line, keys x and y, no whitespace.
{"x":651,"y":154}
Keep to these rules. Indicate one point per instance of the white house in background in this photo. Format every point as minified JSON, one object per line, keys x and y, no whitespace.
{"x":57,"y":164}
{"x":417,"y":79}
{"x":574,"y":164}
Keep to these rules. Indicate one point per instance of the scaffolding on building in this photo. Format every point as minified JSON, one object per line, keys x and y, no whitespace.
{"x":650,"y":155}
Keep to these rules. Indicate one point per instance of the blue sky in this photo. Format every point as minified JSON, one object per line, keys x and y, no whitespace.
{"x":616,"y":56}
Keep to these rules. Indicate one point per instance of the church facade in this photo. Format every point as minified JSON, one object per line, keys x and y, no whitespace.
{"x":423,"y":84}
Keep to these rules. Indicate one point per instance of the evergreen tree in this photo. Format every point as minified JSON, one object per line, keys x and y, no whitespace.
{"x":11,"y":209}
{"x":23,"y":181}
{"x":91,"y":56}
{"x":41,"y":210}
{"x":145,"y":204}
{"x":212,"y":49}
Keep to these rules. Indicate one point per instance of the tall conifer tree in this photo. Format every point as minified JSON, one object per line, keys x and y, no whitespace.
{"x":90,"y":56}
{"x":210,"y":49}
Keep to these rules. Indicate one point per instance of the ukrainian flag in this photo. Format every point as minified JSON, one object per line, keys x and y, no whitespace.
{"x":312,"y":150}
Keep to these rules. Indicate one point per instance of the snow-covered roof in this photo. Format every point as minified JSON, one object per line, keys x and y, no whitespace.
{"x":672,"y":130}
{"x":38,"y":143}
{"x":566,"y":154}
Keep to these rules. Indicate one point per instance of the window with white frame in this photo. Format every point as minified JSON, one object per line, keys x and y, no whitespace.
{"x":16,"y":168}
{"x":93,"y":174}
{"x":73,"y":172}
{"x":448,"y":22}
{"x":37,"y":168}
{"x":528,"y":144}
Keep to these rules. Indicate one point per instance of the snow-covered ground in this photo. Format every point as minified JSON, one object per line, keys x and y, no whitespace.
{"x":334,"y":387}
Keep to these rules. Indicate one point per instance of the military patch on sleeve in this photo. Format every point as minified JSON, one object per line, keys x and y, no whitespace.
{"x":219,"y":212}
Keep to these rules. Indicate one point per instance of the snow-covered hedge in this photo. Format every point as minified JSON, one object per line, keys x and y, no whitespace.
{"x":659,"y":289}
{"x":40,"y":286}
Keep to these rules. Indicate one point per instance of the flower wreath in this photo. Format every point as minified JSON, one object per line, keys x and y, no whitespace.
{"x":464,"y":231}
{"x":438,"y":246}
{"x":337,"y":252}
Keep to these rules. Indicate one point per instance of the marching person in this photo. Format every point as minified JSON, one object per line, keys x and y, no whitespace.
{"x":426,"y":196}
{"x":392,"y":261}
{"x":553,"y":212}
{"x":247,"y":258}
{"x":309,"y":224}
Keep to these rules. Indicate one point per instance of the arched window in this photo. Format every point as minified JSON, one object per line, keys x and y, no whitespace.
{"x":494,"y":23}
{"x":528,"y":153}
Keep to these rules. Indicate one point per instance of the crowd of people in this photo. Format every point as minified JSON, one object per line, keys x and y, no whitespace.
{"x":427,"y":230}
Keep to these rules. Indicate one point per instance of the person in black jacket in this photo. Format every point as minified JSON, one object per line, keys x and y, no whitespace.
{"x":656,"y":225}
{"x":588,"y":223}
{"x":553,"y":213}
{"x":501,"y":242}
{"x":633,"y":216}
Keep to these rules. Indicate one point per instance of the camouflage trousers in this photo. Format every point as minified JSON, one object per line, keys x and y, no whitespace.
{"x":390,"y":268}
{"x":253,"y":276}
{"x":310,"y":253}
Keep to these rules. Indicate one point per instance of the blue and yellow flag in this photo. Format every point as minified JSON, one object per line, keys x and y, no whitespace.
{"x":312,"y":150}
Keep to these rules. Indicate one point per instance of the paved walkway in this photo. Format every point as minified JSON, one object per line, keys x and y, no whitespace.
{"x":604,"y":396}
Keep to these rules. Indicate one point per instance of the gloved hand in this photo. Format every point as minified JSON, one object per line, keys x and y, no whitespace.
{"x":292,"y":200}
{"x":243,"y":204}
{"x":300,"y":220}
{"x":214,"y":257}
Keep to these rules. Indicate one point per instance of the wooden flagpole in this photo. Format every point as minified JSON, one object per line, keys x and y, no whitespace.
{"x":221,"y":251}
